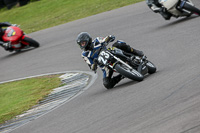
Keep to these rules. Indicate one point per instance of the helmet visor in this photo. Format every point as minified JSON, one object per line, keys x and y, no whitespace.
{"x":83,"y":44}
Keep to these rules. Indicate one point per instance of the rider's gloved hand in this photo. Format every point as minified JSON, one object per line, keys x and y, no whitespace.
{"x":6,"y":45}
{"x":94,"y":67}
{"x":111,"y":37}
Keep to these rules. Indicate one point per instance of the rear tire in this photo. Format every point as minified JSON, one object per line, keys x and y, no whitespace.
{"x":131,"y":74}
{"x":191,"y":8}
{"x":31,"y":42}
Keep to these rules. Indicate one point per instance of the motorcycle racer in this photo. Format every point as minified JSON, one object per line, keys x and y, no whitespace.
{"x":156,"y":7}
{"x":84,"y":40}
{"x":5,"y":45}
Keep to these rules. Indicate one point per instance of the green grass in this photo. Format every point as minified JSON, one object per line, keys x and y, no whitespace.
{"x":47,"y":13}
{"x":19,"y":96}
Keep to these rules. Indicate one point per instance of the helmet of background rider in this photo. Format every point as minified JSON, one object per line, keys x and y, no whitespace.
{"x":84,"y":40}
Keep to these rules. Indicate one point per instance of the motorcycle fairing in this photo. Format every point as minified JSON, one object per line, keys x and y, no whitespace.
{"x":12,"y":34}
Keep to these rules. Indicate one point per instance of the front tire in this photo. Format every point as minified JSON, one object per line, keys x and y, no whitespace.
{"x":191,"y":8}
{"x":31,"y":42}
{"x":131,"y":74}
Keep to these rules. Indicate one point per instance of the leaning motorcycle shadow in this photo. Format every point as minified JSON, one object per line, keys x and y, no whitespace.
{"x":181,"y":20}
{"x":125,"y":84}
{"x":129,"y":82}
{"x":15,"y":53}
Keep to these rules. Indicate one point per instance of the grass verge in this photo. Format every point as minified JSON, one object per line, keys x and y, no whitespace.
{"x":48,"y":13}
{"x":19,"y":96}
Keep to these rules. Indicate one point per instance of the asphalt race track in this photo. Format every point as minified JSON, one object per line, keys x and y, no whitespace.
{"x":165,"y":102}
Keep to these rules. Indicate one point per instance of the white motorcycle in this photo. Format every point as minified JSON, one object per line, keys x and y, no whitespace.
{"x":179,"y":8}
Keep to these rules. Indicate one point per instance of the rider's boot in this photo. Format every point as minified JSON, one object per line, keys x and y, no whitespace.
{"x":109,"y":83}
{"x":166,"y":15}
{"x":118,"y":78}
{"x":10,"y":49}
{"x":127,"y":48}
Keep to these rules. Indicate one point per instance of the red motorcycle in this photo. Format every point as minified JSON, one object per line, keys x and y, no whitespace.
{"x":18,"y":40}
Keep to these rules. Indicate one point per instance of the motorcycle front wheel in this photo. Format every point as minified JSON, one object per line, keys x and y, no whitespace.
{"x":191,"y":8}
{"x":31,"y":42}
{"x":129,"y":73}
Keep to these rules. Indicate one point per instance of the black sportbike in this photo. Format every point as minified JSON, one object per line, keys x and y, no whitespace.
{"x":128,"y":65}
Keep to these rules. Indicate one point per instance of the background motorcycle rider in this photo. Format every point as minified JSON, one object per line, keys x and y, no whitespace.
{"x":84,"y":40}
{"x":156,"y":7}
{"x":6,"y":45}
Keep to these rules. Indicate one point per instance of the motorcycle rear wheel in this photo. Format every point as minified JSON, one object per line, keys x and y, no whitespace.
{"x":131,"y":74}
{"x":31,"y":42}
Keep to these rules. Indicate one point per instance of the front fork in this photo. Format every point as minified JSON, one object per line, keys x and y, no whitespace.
{"x":182,"y":3}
